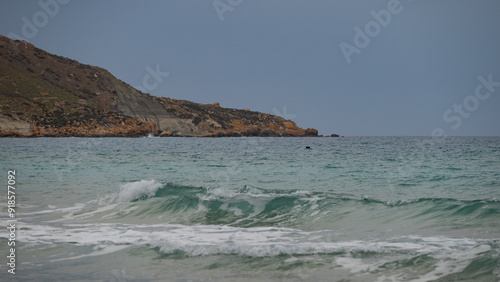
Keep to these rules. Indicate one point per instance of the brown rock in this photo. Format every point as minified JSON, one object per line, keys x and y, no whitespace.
{"x":289,"y":125}
{"x":166,"y":134}
{"x":252,"y":130}
{"x":311,"y":132}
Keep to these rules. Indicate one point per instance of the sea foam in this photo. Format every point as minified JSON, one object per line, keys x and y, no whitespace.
{"x":137,"y":190}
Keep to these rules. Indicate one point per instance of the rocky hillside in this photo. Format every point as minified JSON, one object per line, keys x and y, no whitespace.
{"x":42,"y":94}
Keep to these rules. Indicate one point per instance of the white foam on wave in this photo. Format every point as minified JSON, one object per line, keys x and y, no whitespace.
{"x":97,"y":251}
{"x":255,"y":242}
{"x":136,"y":190}
{"x":256,"y":197}
{"x":110,"y":204}
{"x":450,"y":255}
{"x":102,"y":204}
{"x":453,"y":255}
{"x":76,"y":207}
{"x":215,"y":193}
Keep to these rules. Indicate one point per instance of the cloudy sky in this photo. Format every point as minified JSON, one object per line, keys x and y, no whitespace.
{"x":349,"y":67}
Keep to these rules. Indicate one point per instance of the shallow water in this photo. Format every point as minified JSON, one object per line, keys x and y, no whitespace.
{"x":255,"y":209}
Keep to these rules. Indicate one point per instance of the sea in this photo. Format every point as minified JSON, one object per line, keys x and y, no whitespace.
{"x":251,"y":209}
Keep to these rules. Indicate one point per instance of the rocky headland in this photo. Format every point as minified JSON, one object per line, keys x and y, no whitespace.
{"x":42,"y":94}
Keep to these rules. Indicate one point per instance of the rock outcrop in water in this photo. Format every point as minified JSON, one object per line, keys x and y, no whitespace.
{"x":42,"y":94}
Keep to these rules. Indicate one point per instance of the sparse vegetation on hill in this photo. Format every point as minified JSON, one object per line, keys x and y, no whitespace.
{"x":42,"y":94}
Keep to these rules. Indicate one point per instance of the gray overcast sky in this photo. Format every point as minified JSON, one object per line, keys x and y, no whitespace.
{"x":422,"y":63}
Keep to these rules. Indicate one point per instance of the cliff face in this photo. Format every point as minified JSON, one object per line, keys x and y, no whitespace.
{"x":42,"y":94}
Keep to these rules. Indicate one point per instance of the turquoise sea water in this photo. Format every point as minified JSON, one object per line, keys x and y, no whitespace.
{"x":254,"y":209}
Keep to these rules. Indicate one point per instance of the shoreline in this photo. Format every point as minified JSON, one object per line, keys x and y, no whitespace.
{"x":158,"y":136}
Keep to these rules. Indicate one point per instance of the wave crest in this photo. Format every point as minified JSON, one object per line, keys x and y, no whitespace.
{"x":138,"y":190}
